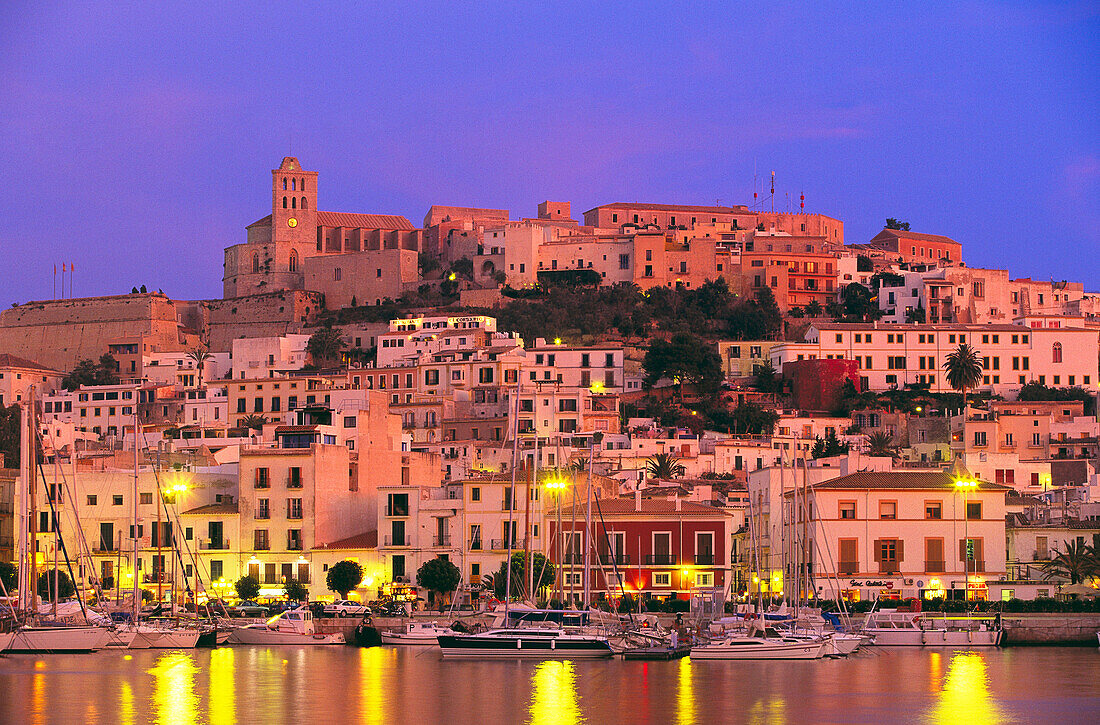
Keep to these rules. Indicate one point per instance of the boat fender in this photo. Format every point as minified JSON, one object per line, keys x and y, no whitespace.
{"x":969,"y":634}
{"x":519,"y":644}
{"x":923,"y":636}
{"x":553,"y":644}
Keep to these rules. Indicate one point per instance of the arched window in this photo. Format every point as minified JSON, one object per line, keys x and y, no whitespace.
{"x":1057,"y":352}
{"x":293,"y":202}
{"x":293,"y":260}
{"x":284,"y":183}
{"x":302,"y":184}
{"x":255,"y":264}
{"x":304,"y":203}
{"x":284,"y":202}
{"x":293,"y":185}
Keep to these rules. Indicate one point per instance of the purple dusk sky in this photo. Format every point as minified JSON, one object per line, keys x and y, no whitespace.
{"x":139,"y":139}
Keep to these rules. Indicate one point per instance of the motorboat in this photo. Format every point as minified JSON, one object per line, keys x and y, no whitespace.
{"x":913,"y":629}
{"x":752,"y":647}
{"x":292,"y":627}
{"x":417,"y":634}
{"x":547,"y":643}
{"x":67,"y":639}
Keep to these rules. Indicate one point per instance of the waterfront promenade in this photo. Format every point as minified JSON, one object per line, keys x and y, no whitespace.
{"x":390,"y":685}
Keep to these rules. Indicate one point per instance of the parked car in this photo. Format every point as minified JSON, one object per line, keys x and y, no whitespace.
{"x":346,"y":608}
{"x":248,"y":608}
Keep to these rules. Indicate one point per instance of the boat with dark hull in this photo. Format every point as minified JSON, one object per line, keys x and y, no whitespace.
{"x":534,"y":643}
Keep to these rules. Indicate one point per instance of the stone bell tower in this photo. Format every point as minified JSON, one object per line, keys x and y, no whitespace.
{"x":293,"y":204}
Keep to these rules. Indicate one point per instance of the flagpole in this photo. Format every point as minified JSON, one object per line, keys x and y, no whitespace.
{"x":55,"y":280}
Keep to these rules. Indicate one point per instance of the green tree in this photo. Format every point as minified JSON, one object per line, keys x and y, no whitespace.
{"x":65,"y":588}
{"x":857,"y":302}
{"x":664,"y":466}
{"x":916,"y":315}
{"x":438,"y":576}
{"x":864,"y":263}
{"x":540,"y":565}
{"x":89,"y":372}
{"x":767,"y":379}
{"x":248,"y":587}
{"x":199,"y":355}
{"x":9,"y":575}
{"x":796,"y":312}
{"x":343,"y":576}
{"x":880,"y":443}
{"x":9,"y":435}
{"x":325,"y":346}
{"x":750,"y":418}
{"x":769,"y":309}
{"x":828,"y":446}
{"x":1076,"y":563}
{"x":1035,"y":390}
{"x":295,"y":591}
{"x":963,"y":369}
{"x":892,"y":223}
{"x":814,"y":309}
{"x":684,"y":358}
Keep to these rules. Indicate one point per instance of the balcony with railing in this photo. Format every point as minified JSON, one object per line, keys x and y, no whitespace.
{"x":502,"y":544}
{"x":705,"y":559}
{"x":888,"y":567}
{"x":475,"y":544}
{"x":398,"y":511}
{"x":935,"y":567}
{"x":391,"y":540}
{"x":619,"y":559}
{"x":1041,"y":555}
{"x":975,"y":566}
{"x":848,"y":567}
{"x":660,"y":559}
{"x":213,"y":544}
{"x":444,"y":540}
{"x":294,"y":545}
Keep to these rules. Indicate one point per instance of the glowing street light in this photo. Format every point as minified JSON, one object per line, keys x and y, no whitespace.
{"x":965,"y":485}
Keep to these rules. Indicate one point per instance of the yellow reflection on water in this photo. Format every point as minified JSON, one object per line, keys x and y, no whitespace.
{"x":223,"y":684}
{"x":174,"y":688}
{"x":125,"y":703}
{"x":38,"y":693}
{"x":965,"y":696}
{"x":935,"y":671}
{"x":554,"y":699}
{"x":374,"y":662}
{"x":770,"y":711}
{"x":685,"y":697}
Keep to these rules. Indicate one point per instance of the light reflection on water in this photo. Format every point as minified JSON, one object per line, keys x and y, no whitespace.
{"x":386,"y":685}
{"x":965,"y":696}
{"x":554,"y":694}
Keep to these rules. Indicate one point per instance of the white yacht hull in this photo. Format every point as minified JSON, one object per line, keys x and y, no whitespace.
{"x":934,"y":637}
{"x":758,"y":648}
{"x":59,"y":639}
{"x":263,"y":635}
{"x":414,"y":640}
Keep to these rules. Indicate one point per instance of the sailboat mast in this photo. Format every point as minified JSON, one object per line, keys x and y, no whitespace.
{"x":509,"y":531}
{"x":32,"y":568}
{"x":134,"y":522}
{"x":588,"y":530}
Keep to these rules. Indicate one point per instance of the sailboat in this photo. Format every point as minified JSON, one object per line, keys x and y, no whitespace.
{"x":510,"y":642}
{"x":35,"y":636}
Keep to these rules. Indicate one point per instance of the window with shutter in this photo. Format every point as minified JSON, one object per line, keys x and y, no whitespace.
{"x":849,"y":556}
{"x":933,"y":555}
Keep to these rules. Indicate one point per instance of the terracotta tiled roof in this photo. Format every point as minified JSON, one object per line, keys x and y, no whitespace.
{"x":295,"y":429}
{"x":212,"y":509}
{"x":918,"y":480}
{"x":916,"y":236}
{"x":265,"y":222}
{"x":365,"y":540}
{"x":362,"y":221}
{"x":674,"y":207}
{"x":12,"y":361}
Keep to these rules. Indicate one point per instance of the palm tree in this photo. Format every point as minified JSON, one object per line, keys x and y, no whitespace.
{"x":664,"y":466}
{"x":1076,"y":563}
{"x":880,"y":443}
{"x":199,"y":355}
{"x":579,"y":465}
{"x":253,"y":422}
{"x":796,"y":312}
{"x":813,"y":308}
{"x":963,"y":368}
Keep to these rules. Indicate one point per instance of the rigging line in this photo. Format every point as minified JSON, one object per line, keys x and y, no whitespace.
{"x":614,"y":563}
{"x":82,"y":543}
{"x":57,"y":533}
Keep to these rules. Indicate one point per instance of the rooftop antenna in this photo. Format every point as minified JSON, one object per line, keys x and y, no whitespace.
{"x":802,"y":202}
{"x":755,"y":185}
{"x":773,"y":192}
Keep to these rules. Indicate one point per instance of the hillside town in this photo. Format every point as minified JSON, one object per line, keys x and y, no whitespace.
{"x":664,"y":401}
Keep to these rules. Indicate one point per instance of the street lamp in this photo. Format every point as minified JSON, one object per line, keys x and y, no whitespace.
{"x":558,"y":485}
{"x":965,"y":485}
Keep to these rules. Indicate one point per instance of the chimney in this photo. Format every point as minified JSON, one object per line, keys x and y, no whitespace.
{"x":638,"y":498}
{"x":677,"y":500}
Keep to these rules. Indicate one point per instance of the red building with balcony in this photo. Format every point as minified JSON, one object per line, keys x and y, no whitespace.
{"x":657,"y":547}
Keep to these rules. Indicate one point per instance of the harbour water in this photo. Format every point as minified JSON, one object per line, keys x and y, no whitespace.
{"x":390,"y":685}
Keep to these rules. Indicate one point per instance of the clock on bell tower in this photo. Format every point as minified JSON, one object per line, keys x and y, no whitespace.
{"x":293,"y":203}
